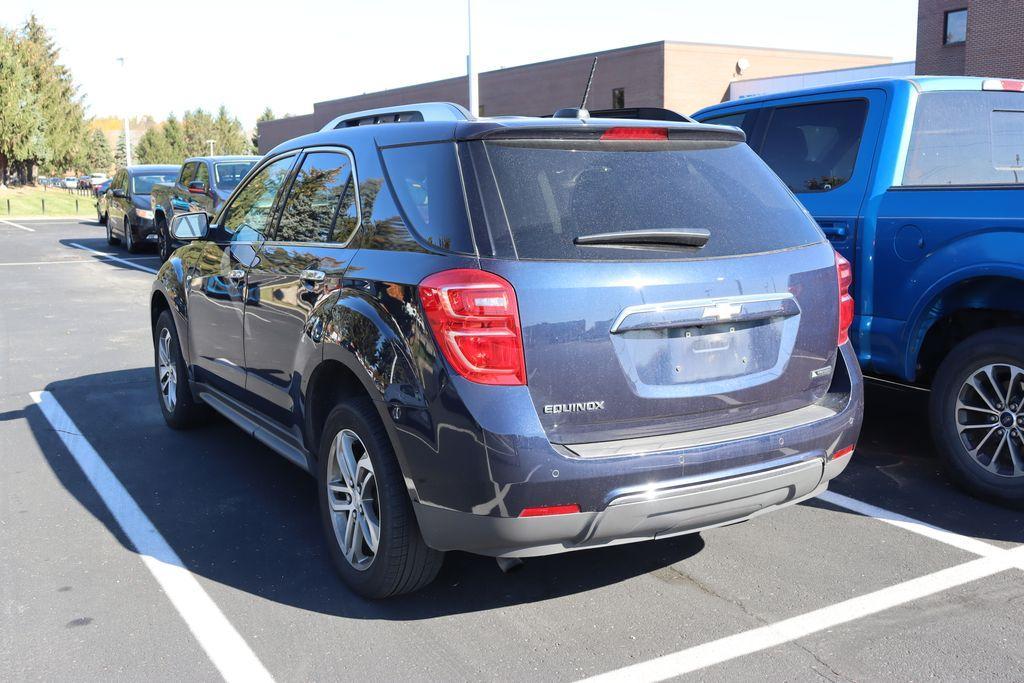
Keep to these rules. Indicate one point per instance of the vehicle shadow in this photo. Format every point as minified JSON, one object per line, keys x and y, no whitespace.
{"x":896,"y":467}
{"x":147,"y":258}
{"x":238,"y":514}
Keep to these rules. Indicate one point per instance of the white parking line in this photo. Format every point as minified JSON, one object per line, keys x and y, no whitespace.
{"x":993,"y":560}
{"x":226,"y":648}
{"x":18,"y":226}
{"x":758,"y":639}
{"x":110,"y":257}
{"x":971,"y":545}
{"x":62,"y":261}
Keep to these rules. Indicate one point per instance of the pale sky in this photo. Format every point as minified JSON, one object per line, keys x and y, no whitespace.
{"x":247,"y":55}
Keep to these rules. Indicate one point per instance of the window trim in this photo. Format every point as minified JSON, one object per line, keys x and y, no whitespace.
{"x":353,"y":179}
{"x":770,"y":116}
{"x":945,"y":27}
{"x":248,"y":179}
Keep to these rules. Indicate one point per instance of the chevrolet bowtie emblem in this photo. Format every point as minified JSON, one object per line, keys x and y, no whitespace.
{"x":723,"y":310}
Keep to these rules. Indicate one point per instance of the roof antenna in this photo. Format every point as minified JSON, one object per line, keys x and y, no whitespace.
{"x":581,"y":113}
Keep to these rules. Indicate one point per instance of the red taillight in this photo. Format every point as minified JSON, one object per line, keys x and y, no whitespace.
{"x":635,"y":133}
{"x":842,"y":453}
{"x":545,"y":510}
{"x":475,"y":319}
{"x":844,"y":272}
{"x":1002,"y":84}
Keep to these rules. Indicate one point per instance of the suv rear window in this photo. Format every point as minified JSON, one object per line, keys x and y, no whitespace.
{"x":554,"y":191}
{"x":967,"y":138}
{"x":427,"y":184}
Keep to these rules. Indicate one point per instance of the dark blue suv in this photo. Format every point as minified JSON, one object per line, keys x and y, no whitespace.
{"x":515,"y":336}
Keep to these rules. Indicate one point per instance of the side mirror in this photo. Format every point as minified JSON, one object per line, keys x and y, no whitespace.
{"x":190,"y":226}
{"x":197,"y":187}
{"x":118,"y":192}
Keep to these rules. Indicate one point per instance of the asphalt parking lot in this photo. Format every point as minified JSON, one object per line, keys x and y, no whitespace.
{"x":199,"y":554}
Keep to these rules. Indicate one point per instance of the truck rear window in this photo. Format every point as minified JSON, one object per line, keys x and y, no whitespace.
{"x":967,"y":138}
{"x":554,"y":191}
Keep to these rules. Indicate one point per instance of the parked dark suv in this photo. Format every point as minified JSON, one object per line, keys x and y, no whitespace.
{"x":515,"y":336}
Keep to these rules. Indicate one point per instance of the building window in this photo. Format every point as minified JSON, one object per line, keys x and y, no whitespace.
{"x":618,"y":98}
{"x":956,"y":27}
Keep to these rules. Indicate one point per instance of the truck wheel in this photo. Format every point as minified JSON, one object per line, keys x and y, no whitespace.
{"x":371,"y":530}
{"x":163,"y":240}
{"x":180,"y":409}
{"x":977,"y":414}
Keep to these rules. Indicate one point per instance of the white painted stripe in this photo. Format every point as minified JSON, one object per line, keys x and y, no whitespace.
{"x":98,"y":259}
{"x":971,"y":545}
{"x":17,"y":226}
{"x":788,"y":630}
{"x":116,"y":259}
{"x":226,"y":648}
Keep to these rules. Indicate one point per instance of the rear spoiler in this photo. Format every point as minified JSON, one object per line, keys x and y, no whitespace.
{"x":594,"y":129}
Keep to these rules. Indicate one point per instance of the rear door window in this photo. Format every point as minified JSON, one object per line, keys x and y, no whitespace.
{"x":551,"y":192}
{"x":966,"y":138}
{"x":813,"y":147}
{"x":314,"y":200}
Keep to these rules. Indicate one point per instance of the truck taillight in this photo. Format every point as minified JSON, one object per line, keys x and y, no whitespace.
{"x":475,"y":319}
{"x":1002,"y":84}
{"x":844,"y":273}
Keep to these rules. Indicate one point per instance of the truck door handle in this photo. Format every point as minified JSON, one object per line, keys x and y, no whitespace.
{"x":834,"y":229}
{"x":312,"y":276}
{"x":236,"y":275}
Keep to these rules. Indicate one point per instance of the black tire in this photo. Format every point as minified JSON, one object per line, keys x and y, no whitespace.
{"x":110,"y":235}
{"x":186,"y":411}
{"x":130,"y":242}
{"x":403,"y":563}
{"x":1004,"y":345}
{"x":101,"y":217}
{"x":163,"y":239}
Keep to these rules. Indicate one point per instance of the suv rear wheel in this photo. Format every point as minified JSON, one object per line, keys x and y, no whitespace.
{"x":977,"y":414}
{"x":370,"y":528}
{"x":177,"y":404}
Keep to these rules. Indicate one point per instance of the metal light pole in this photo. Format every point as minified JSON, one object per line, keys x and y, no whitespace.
{"x":211,"y":143}
{"x":474,"y":95}
{"x":127,"y":129}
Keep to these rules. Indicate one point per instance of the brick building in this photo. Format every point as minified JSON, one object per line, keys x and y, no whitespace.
{"x":679,"y":76}
{"x":970,"y":38}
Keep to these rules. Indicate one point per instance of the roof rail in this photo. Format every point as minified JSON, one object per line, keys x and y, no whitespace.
{"x":424,"y":111}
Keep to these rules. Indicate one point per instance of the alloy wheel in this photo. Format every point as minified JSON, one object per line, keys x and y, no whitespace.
{"x":128,"y":242}
{"x":352,"y":495}
{"x":989,"y":418}
{"x":168,"y":370}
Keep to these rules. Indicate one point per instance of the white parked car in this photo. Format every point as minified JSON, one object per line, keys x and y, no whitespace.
{"x":97,"y":179}
{"x":71,"y":182}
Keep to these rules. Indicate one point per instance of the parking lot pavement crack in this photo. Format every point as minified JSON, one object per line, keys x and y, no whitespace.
{"x":835,"y":675}
{"x":715,"y":594}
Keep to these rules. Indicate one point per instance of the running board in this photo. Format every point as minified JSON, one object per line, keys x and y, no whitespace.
{"x":247,"y":424}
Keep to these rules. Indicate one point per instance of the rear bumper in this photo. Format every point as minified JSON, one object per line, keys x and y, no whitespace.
{"x":687,"y":485}
{"x":664,"y":512}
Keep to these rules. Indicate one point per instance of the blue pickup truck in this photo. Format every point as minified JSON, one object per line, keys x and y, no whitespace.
{"x":919,"y":183}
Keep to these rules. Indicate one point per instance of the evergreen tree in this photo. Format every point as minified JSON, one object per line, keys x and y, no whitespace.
{"x":99,"y":158}
{"x":152,"y":148}
{"x":267,"y":115}
{"x":198,"y":128}
{"x":121,"y":155}
{"x":174,"y":137}
{"x":61,"y":110}
{"x":20,"y":121}
{"x":229,"y":134}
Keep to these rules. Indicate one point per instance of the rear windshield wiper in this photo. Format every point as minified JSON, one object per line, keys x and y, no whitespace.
{"x":680,"y":237}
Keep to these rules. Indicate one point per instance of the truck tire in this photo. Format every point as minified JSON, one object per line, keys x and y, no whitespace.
{"x":356,"y":455}
{"x":976,"y":412}
{"x":163,"y":239}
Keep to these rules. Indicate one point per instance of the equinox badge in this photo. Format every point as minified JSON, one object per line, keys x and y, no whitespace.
{"x":573,"y":407}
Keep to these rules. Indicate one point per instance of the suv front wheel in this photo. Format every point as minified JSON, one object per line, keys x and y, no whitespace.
{"x":177,"y":404}
{"x":371,"y":530}
{"x":977,"y":414}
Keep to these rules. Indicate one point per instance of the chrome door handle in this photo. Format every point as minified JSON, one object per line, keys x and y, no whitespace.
{"x":312,"y":276}
{"x":237,"y":274}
